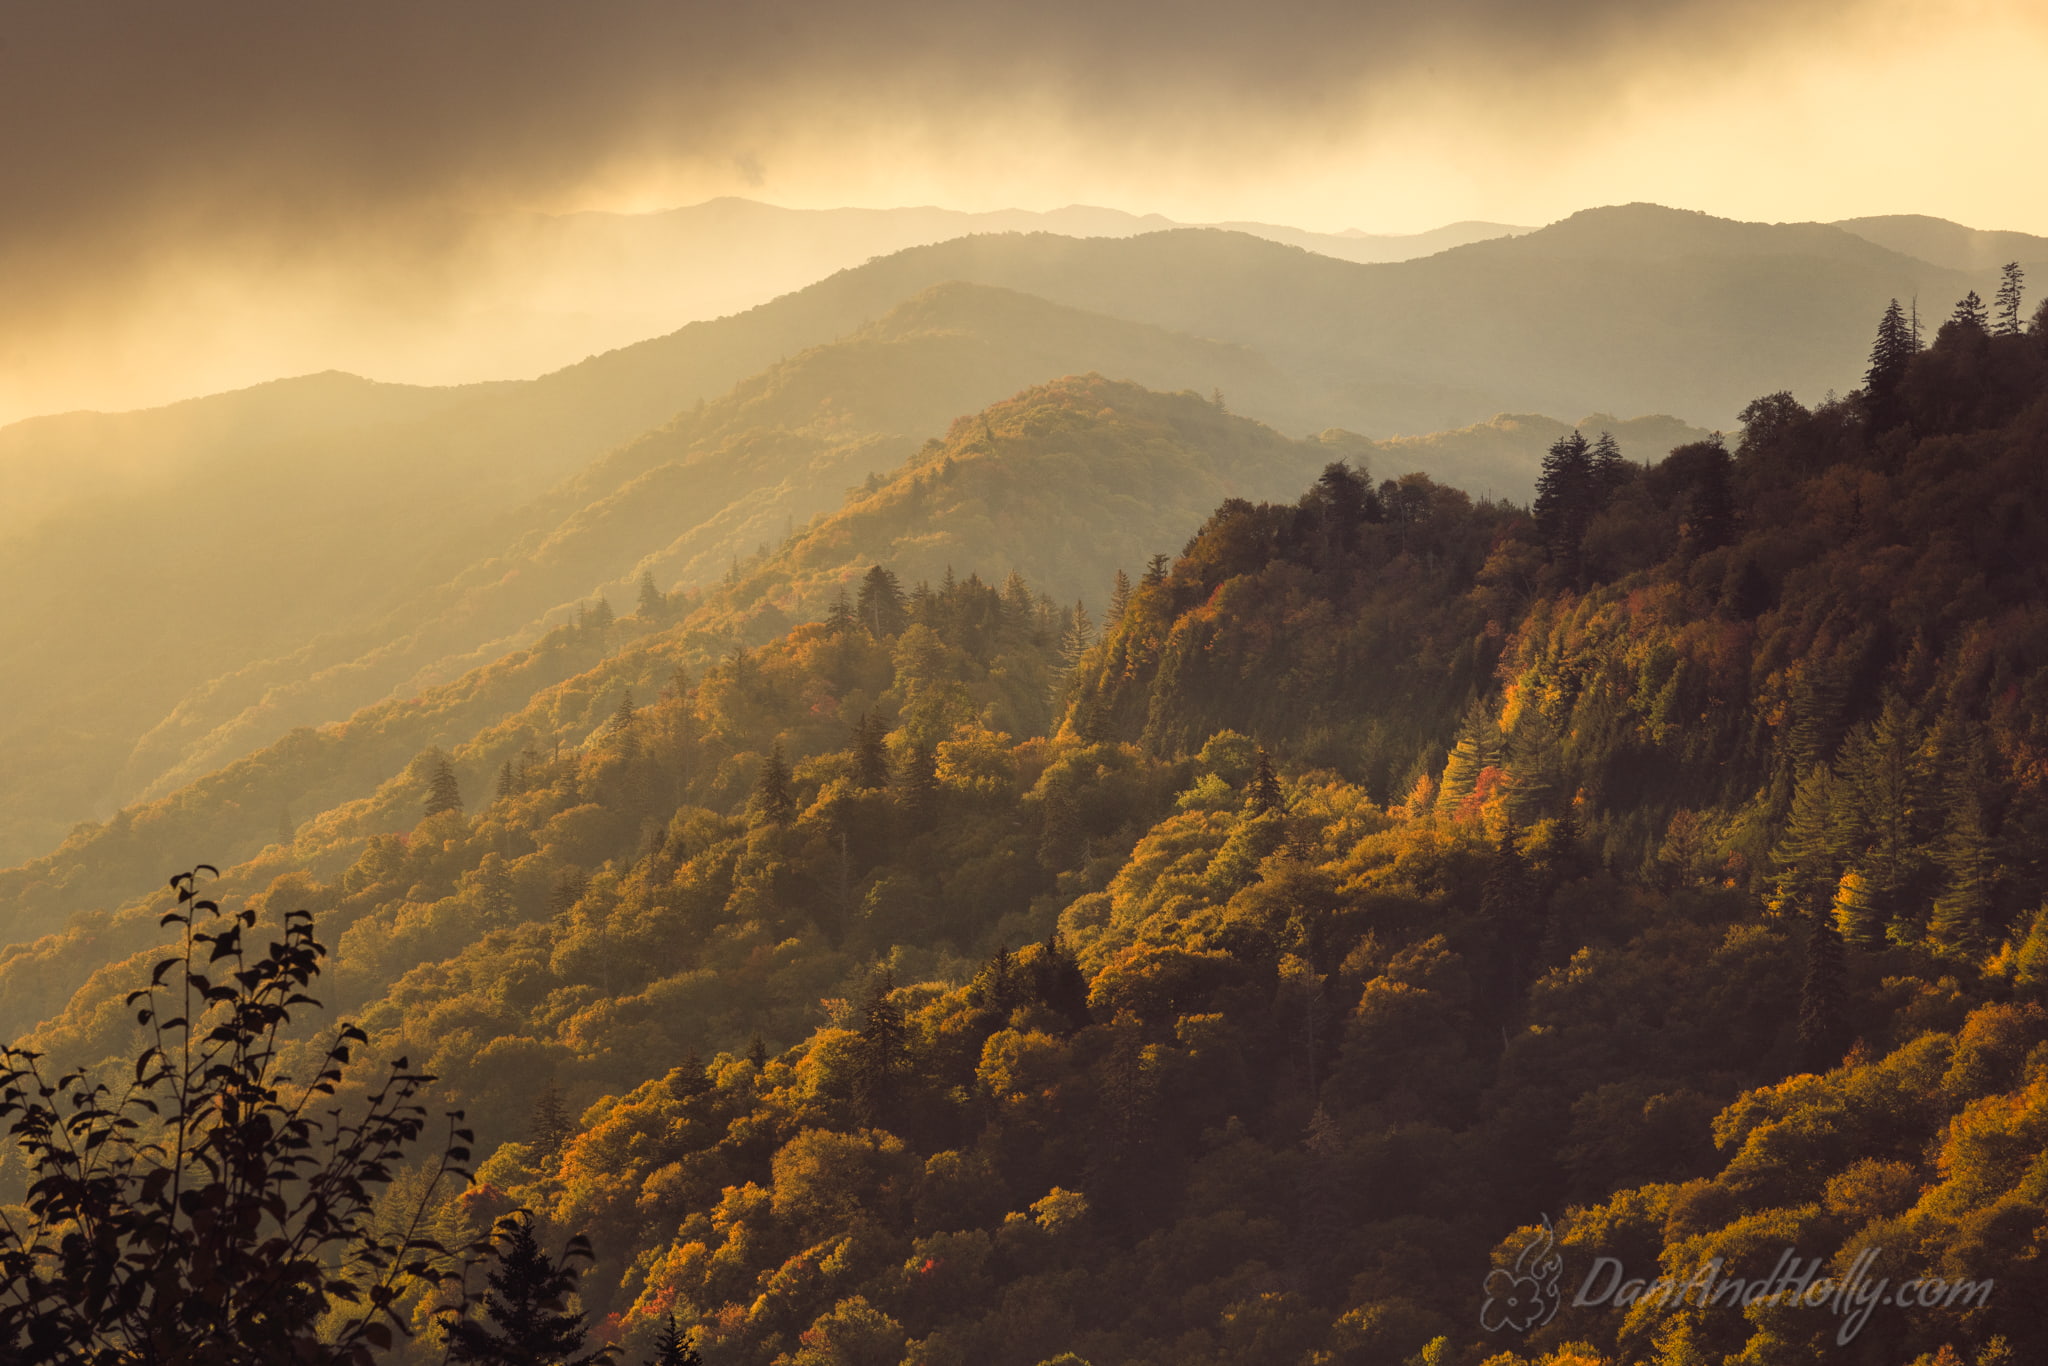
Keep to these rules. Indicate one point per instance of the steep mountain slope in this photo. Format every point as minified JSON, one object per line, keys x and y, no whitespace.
{"x":1402,"y":867}
{"x":1069,"y":481}
{"x":1576,"y":317}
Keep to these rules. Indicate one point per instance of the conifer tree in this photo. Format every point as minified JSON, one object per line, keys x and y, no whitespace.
{"x":1821,"y":1026}
{"x":672,"y":1347}
{"x":2011,"y":288}
{"x":508,"y":781}
{"x":920,"y":787}
{"x":841,"y":620}
{"x":1076,"y":637}
{"x":774,"y":795}
{"x":1155,"y":570}
{"x":1710,"y":511}
{"x":1971,"y":313}
{"x":1890,"y":354}
{"x":443,"y":792}
{"x":1565,"y":502}
{"x":879,"y":1052}
{"x":880,"y":606}
{"x":870,"y":752}
{"x":653,"y":602}
{"x":601,"y":616}
{"x":1607,"y":469}
{"x":1264,"y":793}
{"x":623,"y":717}
{"x":530,"y":1323}
{"x":551,"y":1125}
{"x":757,"y":1053}
{"x":1119,"y":598}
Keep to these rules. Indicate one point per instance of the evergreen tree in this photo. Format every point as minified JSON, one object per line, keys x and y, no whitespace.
{"x":1076,"y":637}
{"x":653,"y":602}
{"x":1607,"y":469}
{"x":841,"y":620}
{"x":623,"y":717}
{"x":601,"y":617}
{"x":443,"y":792}
{"x":1821,"y":1026}
{"x":880,"y":606}
{"x":1565,"y":502}
{"x":2011,"y":288}
{"x":920,"y":787}
{"x":870,"y":752}
{"x":1971,"y":313}
{"x":774,"y":793}
{"x":551,"y":1125}
{"x":879,"y":1053}
{"x":1264,"y":793}
{"x":1155,"y":570}
{"x":1119,"y":598}
{"x":1710,"y":510}
{"x":1890,"y":354}
{"x":673,"y":1347}
{"x":757,"y":1053}
{"x":508,"y":781}
{"x":527,"y":1306}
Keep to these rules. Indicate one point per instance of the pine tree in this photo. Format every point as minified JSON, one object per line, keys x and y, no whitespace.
{"x":1607,"y":469}
{"x":601,"y":616}
{"x":443,"y":792}
{"x":2011,"y":288}
{"x":1890,"y":355}
{"x":508,"y":781}
{"x":774,"y":795}
{"x":551,"y":1125}
{"x":1710,"y":511}
{"x":870,"y":752}
{"x":653,"y":602}
{"x":1155,"y":570}
{"x":528,"y":1304}
{"x":1264,"y":794}
{"x":841,"y":621}
{"x":757,"y":1053}
{"x":1119,"y":597}
{"x":1564,"y":502}
{"x":673,"y":1347}
{"x":623,"y":717}
{"x":920,"y":787}
{"x":879,"y":1053}
{"x":1076,"y":637}
{"x":880,"y":606}
{"x":1971,"y":313}
{"x":1821,"y":1027}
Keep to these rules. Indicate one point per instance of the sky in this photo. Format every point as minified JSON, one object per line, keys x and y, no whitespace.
{"x":206,"y":193}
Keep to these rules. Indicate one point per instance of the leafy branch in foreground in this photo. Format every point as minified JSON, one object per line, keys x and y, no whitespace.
{"x":205,"y":1210}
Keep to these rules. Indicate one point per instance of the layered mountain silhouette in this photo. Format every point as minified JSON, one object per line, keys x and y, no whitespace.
{"x":212,"y":574}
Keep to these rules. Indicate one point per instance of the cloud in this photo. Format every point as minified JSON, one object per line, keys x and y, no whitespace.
{"x":167,"y":156}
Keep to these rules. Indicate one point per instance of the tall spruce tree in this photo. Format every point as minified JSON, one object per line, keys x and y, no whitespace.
{"x":1119,"y":598}
{"x":673,"y":1347}
{"x":527,"y":1305}
{"x":2011,"y":289}
{"x":774,"y":791}
{"x":1890,"y":355}
{"x":1264,"y":794}
{"x":1971,"y":313}
{"x":871,"y":752}
{"x":443,"y":792}
{"x":1565,"y":502}
{"x":653,"y":602}
{"x":1821,"y":1022}
{"x":880,"y":606}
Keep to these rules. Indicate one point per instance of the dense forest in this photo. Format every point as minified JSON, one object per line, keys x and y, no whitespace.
{"x":1386,"y":884}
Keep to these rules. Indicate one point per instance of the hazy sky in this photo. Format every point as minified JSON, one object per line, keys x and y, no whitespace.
{"x":202,"y":192}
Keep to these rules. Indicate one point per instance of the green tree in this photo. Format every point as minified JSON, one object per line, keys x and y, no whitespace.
{"x":202,"y":1212}
{"x":1821,"y":1024}
{"x":871,"y":752}
{"x":1890,"y":355}
{"x":551,"y":1125}
{"x":880,"y":606}
{"x":443,"y":792}
{"x":1264,"y":794}
{"x":1119,"y":597}
{"x":774,"y":791}
{"x":527,"y":1305}
{"x":1971,"y":313}
{"x":653,"y":602}
{"x":879,"y":1054}
{"x":2011,"y":289}
{"x":673,"y":1347}
{"x":1565,"y":501}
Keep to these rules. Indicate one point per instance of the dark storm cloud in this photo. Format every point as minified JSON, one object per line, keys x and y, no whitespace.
{"x":127,"y":120}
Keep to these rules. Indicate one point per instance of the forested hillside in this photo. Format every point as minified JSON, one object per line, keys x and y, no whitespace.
{"x":938,"y":982}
